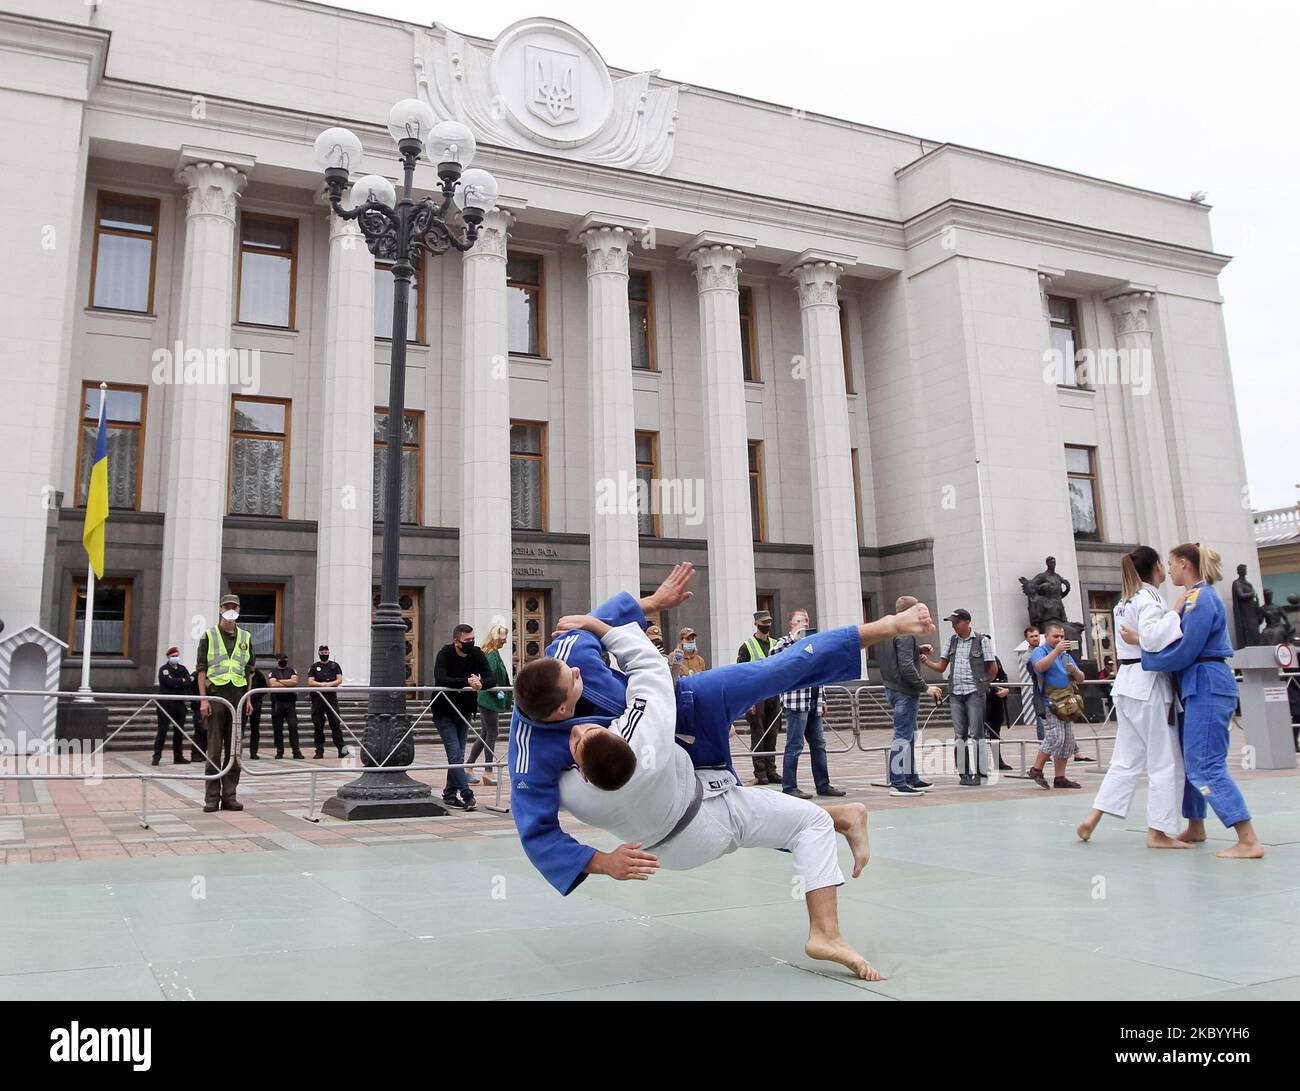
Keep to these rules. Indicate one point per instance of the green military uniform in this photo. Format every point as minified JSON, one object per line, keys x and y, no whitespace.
{"x":227,"y":660}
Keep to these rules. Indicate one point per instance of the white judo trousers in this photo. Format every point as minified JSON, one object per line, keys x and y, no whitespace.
{"x":753,"y":818}
{"x":1144,"y":743}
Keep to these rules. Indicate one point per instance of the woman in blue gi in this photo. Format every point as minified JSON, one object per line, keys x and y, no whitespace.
{"x":1209,"y":696}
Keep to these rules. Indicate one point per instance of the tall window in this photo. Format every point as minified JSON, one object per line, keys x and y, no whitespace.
{"x":525,"y":305}
{"x":261,"y":612}
{"x":757,"y":511}
{"x":125,"y":253}
{"x":412,"y":433}
{"x":857,"y":494}
{"x":124,"y":410}
{"x":845,"y":350}
{"x":384,"y":285}
{"x":647,"y":473}
{"x":1065,"y":335}
{"x":1085,"y":510}
{"x":748,"y":349}
{"x":111,"y":633}
{"x":267,"y":255}
{"x":259,"y":456}
{"x":527,"y":475}
{"x":641,"y":314}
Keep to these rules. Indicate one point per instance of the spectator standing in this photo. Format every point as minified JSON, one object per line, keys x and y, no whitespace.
{"x":459,"y":666}
{"x":686,"y":658}
{"x":1058,"y":670}
{"x":805,"y":713}
{"x":899,"y":660}
{"x":326,"y":676}
{"x":970,"y":656}
{"x":995,"y":712}
{"x":493,"y":703}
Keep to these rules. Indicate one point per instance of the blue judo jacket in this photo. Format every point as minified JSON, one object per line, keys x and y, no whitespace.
{"x":1205,"y":638}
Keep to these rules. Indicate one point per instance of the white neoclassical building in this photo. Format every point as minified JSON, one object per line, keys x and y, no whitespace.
{"x":913,"y":368}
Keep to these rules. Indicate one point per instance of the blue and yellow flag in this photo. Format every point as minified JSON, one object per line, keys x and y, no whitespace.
{"x":92,"y":534}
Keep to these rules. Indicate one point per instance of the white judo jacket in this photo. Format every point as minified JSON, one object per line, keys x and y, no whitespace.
{"x":1147,"y":614}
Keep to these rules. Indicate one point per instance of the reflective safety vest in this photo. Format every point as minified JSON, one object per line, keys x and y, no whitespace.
{"x":228,"y":669}
{"x":755,"y":648}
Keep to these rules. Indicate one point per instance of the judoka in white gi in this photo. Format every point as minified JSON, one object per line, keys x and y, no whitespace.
{"x":1144,"y":739}
{"x":690,"y":816}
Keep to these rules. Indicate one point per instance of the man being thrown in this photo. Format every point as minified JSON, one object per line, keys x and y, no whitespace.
{"x":625,"y":774}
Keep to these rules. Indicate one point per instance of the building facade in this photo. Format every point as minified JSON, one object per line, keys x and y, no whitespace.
{"x":828,"y":363}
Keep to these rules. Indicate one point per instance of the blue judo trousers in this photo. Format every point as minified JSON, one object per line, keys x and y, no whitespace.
{"x":1208,"y":692}
{"x":707,"y":705}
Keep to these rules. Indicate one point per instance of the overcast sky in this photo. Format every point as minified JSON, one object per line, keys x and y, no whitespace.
{"x":1174,"y":97}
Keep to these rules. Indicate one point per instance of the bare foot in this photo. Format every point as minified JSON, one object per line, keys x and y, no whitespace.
{"x":1192,"y":837}
{"x":858,"y":838}
{"x":1158,"y":839}
{"x":1243,"y":850}
{"x":839,"y":950}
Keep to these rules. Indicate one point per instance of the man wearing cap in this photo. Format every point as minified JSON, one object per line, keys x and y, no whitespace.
{"x":970,"y":655}
{"x":223,"y":666}
{"x":764,"y":718}
{"x":686,"y":658}
{"x":173,"y":677}
{"x":326,"y":676}
{"x":656,"y":636}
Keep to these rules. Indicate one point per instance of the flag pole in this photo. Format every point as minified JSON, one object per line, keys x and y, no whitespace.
{"x":87,"y":631}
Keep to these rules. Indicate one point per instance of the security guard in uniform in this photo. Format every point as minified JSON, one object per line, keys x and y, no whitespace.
{"x":327,"y":676}
{"x":765,"y":717}
{"x":224,"y":665}
{"x":173,"y":677}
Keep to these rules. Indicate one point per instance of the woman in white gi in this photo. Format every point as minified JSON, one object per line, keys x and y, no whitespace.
{"x":1145,"y":739}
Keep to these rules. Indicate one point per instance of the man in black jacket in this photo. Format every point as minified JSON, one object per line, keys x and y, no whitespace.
{"x":900,"y":669}
{"x":173,"y":677}
{"x":459,"y":666}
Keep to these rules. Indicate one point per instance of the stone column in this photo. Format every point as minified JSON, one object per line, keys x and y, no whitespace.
{"x":835,"y":531}
{"x":615,"y":561}
{"x":1152,"y":474}
{"x":345,"y":530}
{"x":732,"y":594}
{"x":199,"y":412}
{"x":485,"y":573}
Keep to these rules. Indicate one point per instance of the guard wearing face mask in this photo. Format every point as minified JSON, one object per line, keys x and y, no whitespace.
{"x":326,"y":676}
{"x":224,"y":664}
{"x":764,"y":718}
{"x":284,"y":706}
{"x":173,"y":677}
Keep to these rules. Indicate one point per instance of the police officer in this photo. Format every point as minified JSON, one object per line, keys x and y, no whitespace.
{"x":224,"y":664}
{"x":173,"y":677}
{"x":253,"y":712}
{"x":326,"y":675}
{"x":284,"y":706}
{"x":765,"y":717}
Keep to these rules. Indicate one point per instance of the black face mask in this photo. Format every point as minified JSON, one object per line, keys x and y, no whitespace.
{"x":324,"y":657}
{"x":764,"y":626}
{"x":465,"y":645}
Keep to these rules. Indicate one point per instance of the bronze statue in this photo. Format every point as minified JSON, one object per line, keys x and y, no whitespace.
{"x":1245,"y":610}
{"x":1046,"y":593}
{"x":1277,"y":626}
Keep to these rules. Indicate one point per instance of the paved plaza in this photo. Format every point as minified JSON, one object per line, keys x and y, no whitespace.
{"x":969,"y":894}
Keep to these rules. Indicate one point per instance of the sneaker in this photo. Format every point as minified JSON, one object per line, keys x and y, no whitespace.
{"x":345,"y":753}
{"x":470,"y":805}
{"x":831,"y":790}
{"x":921,"y":785}
{"x":969,"y":780}
{"x":1065,"y":782}
{"x":456,"y":803}
{"x":1036,"y":775}
{"x":799,"y":793}
{"x":904,"y":790}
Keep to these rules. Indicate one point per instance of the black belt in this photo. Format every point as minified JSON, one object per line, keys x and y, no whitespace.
{"x":1123,"y":661}
{"x":692,"y":809}
{"x":1212,"y":659}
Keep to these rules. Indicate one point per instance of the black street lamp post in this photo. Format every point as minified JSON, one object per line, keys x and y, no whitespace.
{"x":401,"y":232}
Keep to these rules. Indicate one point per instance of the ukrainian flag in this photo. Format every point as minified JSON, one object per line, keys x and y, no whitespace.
{"x":92,"y":535}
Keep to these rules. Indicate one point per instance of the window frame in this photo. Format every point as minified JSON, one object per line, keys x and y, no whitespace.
{"x":649,"y":303}
{"x":267,"y":217}
{"x":420,"y":318}
{"x":242,"y":588}
{"x":82,"y":421}
{"x":657,"y":532}
{"x":78,"y":594}
{"x":418,"y":414}
{"x":1076,"y":328}
{"x":100,"y":197}
{"x":756,"y":446}
{"x":748,"y":339}
{"x":546,"y":484}
{"x":540,"y":289}
{"x":1094,"y":476}
{"x":286,"y":444}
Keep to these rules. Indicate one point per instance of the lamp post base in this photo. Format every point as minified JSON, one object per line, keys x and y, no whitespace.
{"x":370,"y":809}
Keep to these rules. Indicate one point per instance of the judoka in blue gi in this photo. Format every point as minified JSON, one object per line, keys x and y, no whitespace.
{"x":1208,"y":692}
{"x":627,"y":752}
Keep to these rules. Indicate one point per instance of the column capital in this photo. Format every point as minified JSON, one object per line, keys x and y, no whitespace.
{"x":1132,"y":311}
{"x":493,"y":235}
{"x":608,"y":248}
{"x":214,"y":189}
{"x":816,"y":274}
